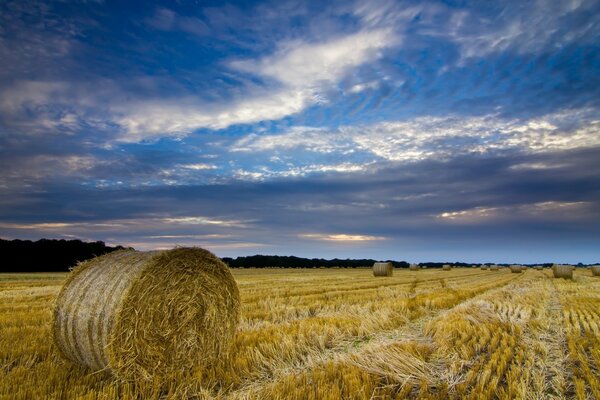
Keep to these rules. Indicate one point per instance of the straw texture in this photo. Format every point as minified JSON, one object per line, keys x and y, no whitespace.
{"x":494,"y":268}
{"x":413,"y":267}
{"x":516,"y":269}
{"x":562,"y":271}
{"x":446,"y":267}
{"x":595,"y":270}
{"x":383,"y":269}
{"x":143,"y":315}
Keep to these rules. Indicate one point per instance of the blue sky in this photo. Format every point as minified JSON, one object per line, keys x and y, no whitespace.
{"x":421,"y":131}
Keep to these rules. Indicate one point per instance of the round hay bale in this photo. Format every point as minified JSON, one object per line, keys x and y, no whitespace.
{"x":383,"y":269}
{"x":147,"y":315}
{"x":516,"y":269}
{"x":595,"y":270}
{"x":484,"y":267}
{"x":446,"y":267}
{"x":413,"y":267}
{"x":494,"y":268}
{"x":539,"y":268}
{"x":562,"y":271}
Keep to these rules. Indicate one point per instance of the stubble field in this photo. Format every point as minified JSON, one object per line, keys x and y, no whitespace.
{"x":344,"y":334}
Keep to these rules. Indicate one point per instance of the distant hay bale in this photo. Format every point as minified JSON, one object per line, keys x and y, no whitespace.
{"x":562,"y":271}
{"x":484,"y":267}
{"x":413,"y":267}
{"x":539,"y":267}
{"x":446,"y":267}
{"x":516,"y":269}
{"x":147,"y":315}
{"x":595,"y":270}
{"x":383,"y":269}
{"x":494,"y":268}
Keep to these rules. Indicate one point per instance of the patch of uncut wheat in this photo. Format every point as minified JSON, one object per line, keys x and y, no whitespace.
{"x":580,"y":300}
{"x":328,"y":373}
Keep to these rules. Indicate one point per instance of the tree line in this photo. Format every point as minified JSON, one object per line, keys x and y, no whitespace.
{"x":48,"y":255}
{"x":52,"y":255}
{"x":264,"y":261}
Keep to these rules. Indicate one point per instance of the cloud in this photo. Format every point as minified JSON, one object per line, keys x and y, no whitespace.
{"x":548,"y":210}
{"x":524,"y":28}
{"x":299,"y":171}
{"x":295,"y":77}
{"x":425,"y":138}
{"x":340,"y":237}
{"x":205,"y":221}
{"x":165,"y":19}
{"x":314,"y":139}
{"x":198,"y":166}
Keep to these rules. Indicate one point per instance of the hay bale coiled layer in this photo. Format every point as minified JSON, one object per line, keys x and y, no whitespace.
{"x":595,"y":270}
{"x":563,"y":271}
{"x":446,"y":267}
{"x":516,"y":269}
{"x":146,"y":315}
{"x":383,"y":269}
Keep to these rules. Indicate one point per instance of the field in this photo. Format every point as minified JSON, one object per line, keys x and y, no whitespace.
{"x":341,"y":333}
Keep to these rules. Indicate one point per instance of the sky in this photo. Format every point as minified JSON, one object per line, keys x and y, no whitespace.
{"x":406,"y":130}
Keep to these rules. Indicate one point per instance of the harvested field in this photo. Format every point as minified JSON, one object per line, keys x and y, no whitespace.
{"x":342,"y":333}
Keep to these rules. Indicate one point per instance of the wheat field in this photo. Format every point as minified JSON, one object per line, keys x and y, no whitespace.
{"x":344,"y":334}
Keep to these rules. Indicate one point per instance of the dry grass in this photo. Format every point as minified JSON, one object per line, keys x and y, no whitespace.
{"x":331,"y":334}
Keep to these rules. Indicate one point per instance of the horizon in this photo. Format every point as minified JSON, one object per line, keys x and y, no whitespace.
{"x":420,"y":131}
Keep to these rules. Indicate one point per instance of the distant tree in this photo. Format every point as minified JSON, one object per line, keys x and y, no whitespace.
{"x":266,"y":261}
{"x":48,"y":255}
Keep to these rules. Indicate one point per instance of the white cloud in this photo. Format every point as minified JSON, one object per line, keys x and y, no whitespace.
{"x":299,"y":171}
{"x":199,"y":220}
{"x":318,"y":140}
{"x":439,"y":137}
{"x":295,"y":77}
{"x":340,"y":237}
{"x":198,"y":166}
{"x":359,"y":87}
{"x":308,"y":65}
{"x":548,"y":210}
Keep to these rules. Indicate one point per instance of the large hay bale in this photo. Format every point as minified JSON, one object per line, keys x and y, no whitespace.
{"x":446,"y":267}
{"x":516,"y":269}
{"x":494,"y":268}
{"x":413,"y":267}
{"x":147,"y":315}
{"x":484,"y":267}
{"x":539,"y":267}
{"x":563,"y":271}
{"x":383,"y":269}
{"x":595,"y":270}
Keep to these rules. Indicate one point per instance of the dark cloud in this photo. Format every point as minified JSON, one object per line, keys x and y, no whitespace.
{"x":555,"y":195}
